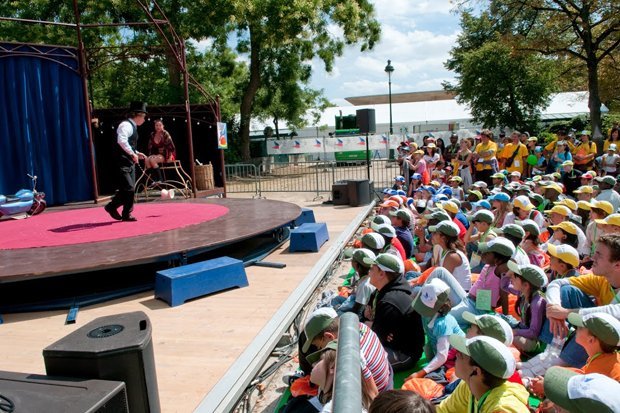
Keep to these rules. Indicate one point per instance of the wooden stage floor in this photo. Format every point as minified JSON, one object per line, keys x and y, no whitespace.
{"x":246,"y":218}
{"x":195,"y":343}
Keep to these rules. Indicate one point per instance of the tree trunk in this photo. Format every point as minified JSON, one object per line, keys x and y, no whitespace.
{"x":594,"y":100}
{"x":174,"y":76}
{"x":275,"y":123}
{"x":248,"y":97}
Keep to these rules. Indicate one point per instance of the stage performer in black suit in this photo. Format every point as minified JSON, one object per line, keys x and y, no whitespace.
{"x":127,"y":157}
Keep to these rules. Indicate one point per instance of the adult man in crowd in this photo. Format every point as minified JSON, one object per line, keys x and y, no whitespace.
{"x":568,"y":295}
{"x":606,"y":185}
{"x":391,"y":316}
{"x":452,"y":149}
{"x":514,"y":154}
{"x":127,"y":157}
{"x":485,"y":156}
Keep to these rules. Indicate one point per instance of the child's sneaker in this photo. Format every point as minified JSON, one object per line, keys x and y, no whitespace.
{"x":290,"y":377}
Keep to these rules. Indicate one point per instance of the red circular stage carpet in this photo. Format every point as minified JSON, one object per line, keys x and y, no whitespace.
{"x":52,"y":229}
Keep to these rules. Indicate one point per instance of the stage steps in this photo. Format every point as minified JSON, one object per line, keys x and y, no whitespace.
{"x":179,"y":284}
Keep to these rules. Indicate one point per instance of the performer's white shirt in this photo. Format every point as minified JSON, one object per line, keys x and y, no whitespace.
{"x":123,"y":133}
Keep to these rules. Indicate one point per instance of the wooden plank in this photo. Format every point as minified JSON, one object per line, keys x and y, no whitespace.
{"x":196,"y":343}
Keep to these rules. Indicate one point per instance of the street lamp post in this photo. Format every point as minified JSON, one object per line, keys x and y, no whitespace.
{"x":389,"y":69}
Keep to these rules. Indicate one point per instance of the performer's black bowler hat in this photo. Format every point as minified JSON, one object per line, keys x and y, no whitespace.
{"x":138,"y":107}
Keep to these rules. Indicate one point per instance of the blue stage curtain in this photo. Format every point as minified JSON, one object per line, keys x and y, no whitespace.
{"x":43,"y":127}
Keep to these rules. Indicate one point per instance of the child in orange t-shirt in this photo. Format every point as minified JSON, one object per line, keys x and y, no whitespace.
{"x":599,"y":335}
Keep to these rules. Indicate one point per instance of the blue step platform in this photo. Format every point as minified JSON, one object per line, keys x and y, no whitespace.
{"x":177,"y":285}
{"x":306,"y":217}
{"x":309,"y":237}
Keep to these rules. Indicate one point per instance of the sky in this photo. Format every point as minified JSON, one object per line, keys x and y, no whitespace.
{"x":416,"y":35}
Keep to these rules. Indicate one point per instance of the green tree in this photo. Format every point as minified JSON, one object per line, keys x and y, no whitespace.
{"x":279,"y":39}
{"x":302,"y":28}
{"x":502,"y":86}
{"x":587,"y":31}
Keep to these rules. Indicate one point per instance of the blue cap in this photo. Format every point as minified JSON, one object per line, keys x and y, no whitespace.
{"x":446,"y":190}
{"x":386,"y":191}
{"x":482,"y":204}
{"x":428,"y":188}
{"x":399,"y":178}
{"x":500,"y":196}
{"x":392,"y":192}
{"x":440,"y":197}
{"x":401,"y":192}
{"x":416,"y":176}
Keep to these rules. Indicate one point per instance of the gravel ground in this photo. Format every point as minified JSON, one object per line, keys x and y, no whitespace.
{"x":267,"y":396}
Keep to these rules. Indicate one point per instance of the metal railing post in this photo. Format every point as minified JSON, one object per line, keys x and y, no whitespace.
{"x":257,"y":175}
{"x":316,"y":174}
{"x":348,"y":380}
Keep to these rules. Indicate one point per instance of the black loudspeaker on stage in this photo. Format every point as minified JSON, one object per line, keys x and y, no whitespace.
{"x":116,"y":347}
{"x":366,"y":120}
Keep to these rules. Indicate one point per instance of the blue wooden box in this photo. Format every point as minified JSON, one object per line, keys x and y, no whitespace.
{"x":177,"y":285}
{"x":309,"y":237}
{"x":306,"y":217}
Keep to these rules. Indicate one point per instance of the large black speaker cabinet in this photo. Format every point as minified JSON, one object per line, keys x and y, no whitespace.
{"x":22,"y":392}
{"x":366,"y":120}
{"x":340,"y":193}
{"x":116,"y":347}
{"x":359,"y":192}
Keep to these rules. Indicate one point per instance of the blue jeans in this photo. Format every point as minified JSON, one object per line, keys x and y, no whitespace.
{"x":343,"y":305}
{"x":572,"y":353}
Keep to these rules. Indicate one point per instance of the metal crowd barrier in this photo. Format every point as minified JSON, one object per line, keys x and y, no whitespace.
{"x":306,"y":176}
{"x":348,"y":381}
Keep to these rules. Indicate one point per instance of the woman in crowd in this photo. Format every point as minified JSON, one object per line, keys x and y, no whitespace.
{"x":431,"y":157}
{"x":463,"y":158}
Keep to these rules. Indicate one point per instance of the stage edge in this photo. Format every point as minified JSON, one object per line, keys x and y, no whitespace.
{"x":226,"y":393}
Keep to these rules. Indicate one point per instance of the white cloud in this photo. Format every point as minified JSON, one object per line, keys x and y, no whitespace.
{"x":387,"y":8}
{"x":364,"y":87}
{"x":417,"y":36}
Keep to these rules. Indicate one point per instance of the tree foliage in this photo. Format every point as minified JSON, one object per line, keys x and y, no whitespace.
{"x":585,"y":32}
{"x":254,"y":48}
{"x":281,"y":38}
{"x":502,"y":86}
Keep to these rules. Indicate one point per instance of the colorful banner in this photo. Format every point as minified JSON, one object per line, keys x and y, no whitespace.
{"x":327,"y":145}
{"x":222,"y":136}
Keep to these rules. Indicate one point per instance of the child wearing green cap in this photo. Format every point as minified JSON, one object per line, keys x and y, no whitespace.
{"x":527,"y":282}
{"x":599,"y":335}
{"x":360,"y":287}
{"x":323,"y":375}
{"x":433,"y":304}
{"x":576,"y":393}
{"x":484,"y":364}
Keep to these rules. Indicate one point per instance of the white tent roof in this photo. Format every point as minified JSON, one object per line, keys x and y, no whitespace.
{"x":562,"y":106}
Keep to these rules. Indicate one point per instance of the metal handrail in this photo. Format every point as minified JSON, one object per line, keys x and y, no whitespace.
{"x":348,"y":381}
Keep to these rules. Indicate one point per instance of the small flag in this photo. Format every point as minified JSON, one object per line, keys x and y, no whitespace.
{"x":297,"y":145}
{"x":276,"y":145}
{"x":384,"y":139}
{"x":362,"y":141}
{"x":339,"y":142}
{"x":317,"y":143}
